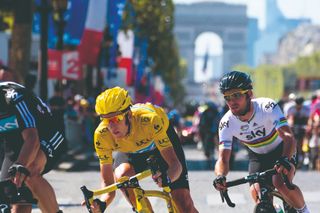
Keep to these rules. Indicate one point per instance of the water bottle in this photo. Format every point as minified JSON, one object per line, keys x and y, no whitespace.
{"x":278,"y":208}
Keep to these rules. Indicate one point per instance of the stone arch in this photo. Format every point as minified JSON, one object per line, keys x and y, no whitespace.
{"x":228,"y":21}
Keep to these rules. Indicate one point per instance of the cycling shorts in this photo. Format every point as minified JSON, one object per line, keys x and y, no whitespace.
{"x":53,"y":148}
{"x":262,"y":162}
{"x":138,"y":160}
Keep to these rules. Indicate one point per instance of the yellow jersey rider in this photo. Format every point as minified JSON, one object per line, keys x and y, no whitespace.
{"x":133,"y":133}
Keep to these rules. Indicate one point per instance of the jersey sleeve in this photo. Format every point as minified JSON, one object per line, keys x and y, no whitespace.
{"x":160,"y":126}
{"x":24,"y":109}
{"x":225,"y":135}
{"x":103,"y":151}
{"x":273,"y":109}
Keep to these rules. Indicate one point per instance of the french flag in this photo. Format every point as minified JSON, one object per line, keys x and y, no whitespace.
{"x":90,"y":43}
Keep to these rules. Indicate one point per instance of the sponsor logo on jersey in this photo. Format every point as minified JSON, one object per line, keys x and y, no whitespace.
{"x":244,"y":127}
{"x":8,"y":124}
{"x":271,"y":105}
{"x":256,"y":133}
{"x":157,"y":127}
{"x":12,"y":94}
{"x":98,"y":144}
{"x":224,"y":125}
{"x":103,"y":157}
{"x":142,"y":142}
{"x":103,"y":130}
{"x":163,"y":142}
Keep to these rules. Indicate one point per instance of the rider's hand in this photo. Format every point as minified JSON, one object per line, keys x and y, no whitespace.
{"x":97,"y":206}
{"x":157,"y":178}
{"x":283,"y":166}
{"x":19,"y":173}
{"x":219,"y":183}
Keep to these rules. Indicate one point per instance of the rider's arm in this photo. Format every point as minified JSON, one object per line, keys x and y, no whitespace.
{"x":222,"y":164}
{"x":174,"y":165}
{"x":106,"y":173}
{"x":289,"y":147}
{"x":30,"y":147}
{"x":290,"y":119}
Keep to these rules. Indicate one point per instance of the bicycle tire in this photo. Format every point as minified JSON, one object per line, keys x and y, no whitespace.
{"x":264,"y":207}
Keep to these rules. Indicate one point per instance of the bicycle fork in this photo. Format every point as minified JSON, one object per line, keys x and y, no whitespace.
{"x":142,"y":203}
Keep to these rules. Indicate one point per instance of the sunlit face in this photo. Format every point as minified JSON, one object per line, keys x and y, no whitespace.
{"x":116,"y":124}
{"x":236,"y":100}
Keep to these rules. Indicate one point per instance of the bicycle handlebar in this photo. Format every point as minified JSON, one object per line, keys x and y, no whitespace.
{"x":253,"y":178}
{"x":125,"y":182}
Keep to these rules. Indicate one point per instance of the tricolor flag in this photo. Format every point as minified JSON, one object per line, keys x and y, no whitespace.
{"x":90,"y":44}
{"x":125,"y":40}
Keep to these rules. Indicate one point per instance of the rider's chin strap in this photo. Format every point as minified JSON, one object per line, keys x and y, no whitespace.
{"x":247,"y":109}
{"x":128,"y":123}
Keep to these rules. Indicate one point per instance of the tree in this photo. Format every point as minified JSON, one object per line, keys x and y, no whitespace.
{"x":154,"y":20}
{"x":19,"y":59}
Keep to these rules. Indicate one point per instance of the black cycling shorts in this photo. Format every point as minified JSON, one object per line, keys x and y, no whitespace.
{"x":53,"y":147}
{"x":138,"y":160}
{"x":262,"y":162}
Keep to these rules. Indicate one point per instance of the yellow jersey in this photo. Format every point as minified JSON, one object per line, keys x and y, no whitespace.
{"x":148,"y":131}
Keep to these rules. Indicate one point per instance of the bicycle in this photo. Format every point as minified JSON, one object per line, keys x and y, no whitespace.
{"x":140,"y":194}
{"x":9,"y":194}
{"x":267,"y":192}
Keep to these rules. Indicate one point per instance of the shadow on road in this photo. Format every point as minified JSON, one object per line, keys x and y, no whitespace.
{"x":203,"y":165}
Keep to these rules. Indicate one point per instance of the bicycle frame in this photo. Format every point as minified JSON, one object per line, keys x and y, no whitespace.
{"x":140,"y":194}
{"x":266,"y":192}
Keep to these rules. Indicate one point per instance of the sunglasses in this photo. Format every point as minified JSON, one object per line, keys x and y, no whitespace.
{"x":114,"y":119}
{"x":235,"y":96}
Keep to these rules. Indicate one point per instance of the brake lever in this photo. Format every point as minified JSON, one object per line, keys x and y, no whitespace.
{"x":222,"y":197}
{"x":227,"y":198}
{"x":87,"y":195}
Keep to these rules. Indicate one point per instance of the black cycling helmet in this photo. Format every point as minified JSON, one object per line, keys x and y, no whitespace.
{"x":235,"y":80}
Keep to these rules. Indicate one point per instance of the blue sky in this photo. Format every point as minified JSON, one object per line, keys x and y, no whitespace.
{"x":290,"y":8}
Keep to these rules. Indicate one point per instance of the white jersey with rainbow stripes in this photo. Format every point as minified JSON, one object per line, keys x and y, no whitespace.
{"x":259,"y":133}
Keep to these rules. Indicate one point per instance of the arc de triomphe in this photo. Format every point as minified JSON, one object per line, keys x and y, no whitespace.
{"x":228,"y":21}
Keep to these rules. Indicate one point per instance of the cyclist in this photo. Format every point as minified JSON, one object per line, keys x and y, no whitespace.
{"x":136,"y":132}
{"x":297,"y":117}
{"x":208,"y":128}
{"x":261,"y":126}
{"x":32,"y":145}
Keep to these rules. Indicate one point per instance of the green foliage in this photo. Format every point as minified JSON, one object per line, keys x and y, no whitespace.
{"x":154,"y":20}
{"x":308,"y":66}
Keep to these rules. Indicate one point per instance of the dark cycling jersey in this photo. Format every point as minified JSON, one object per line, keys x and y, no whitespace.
{"x":20,"y":109}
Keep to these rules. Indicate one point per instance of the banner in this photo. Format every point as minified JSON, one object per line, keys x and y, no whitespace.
{"x":64,"y":65}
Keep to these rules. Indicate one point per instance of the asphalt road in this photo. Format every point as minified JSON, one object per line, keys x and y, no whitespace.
{"x":83,"y":170}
